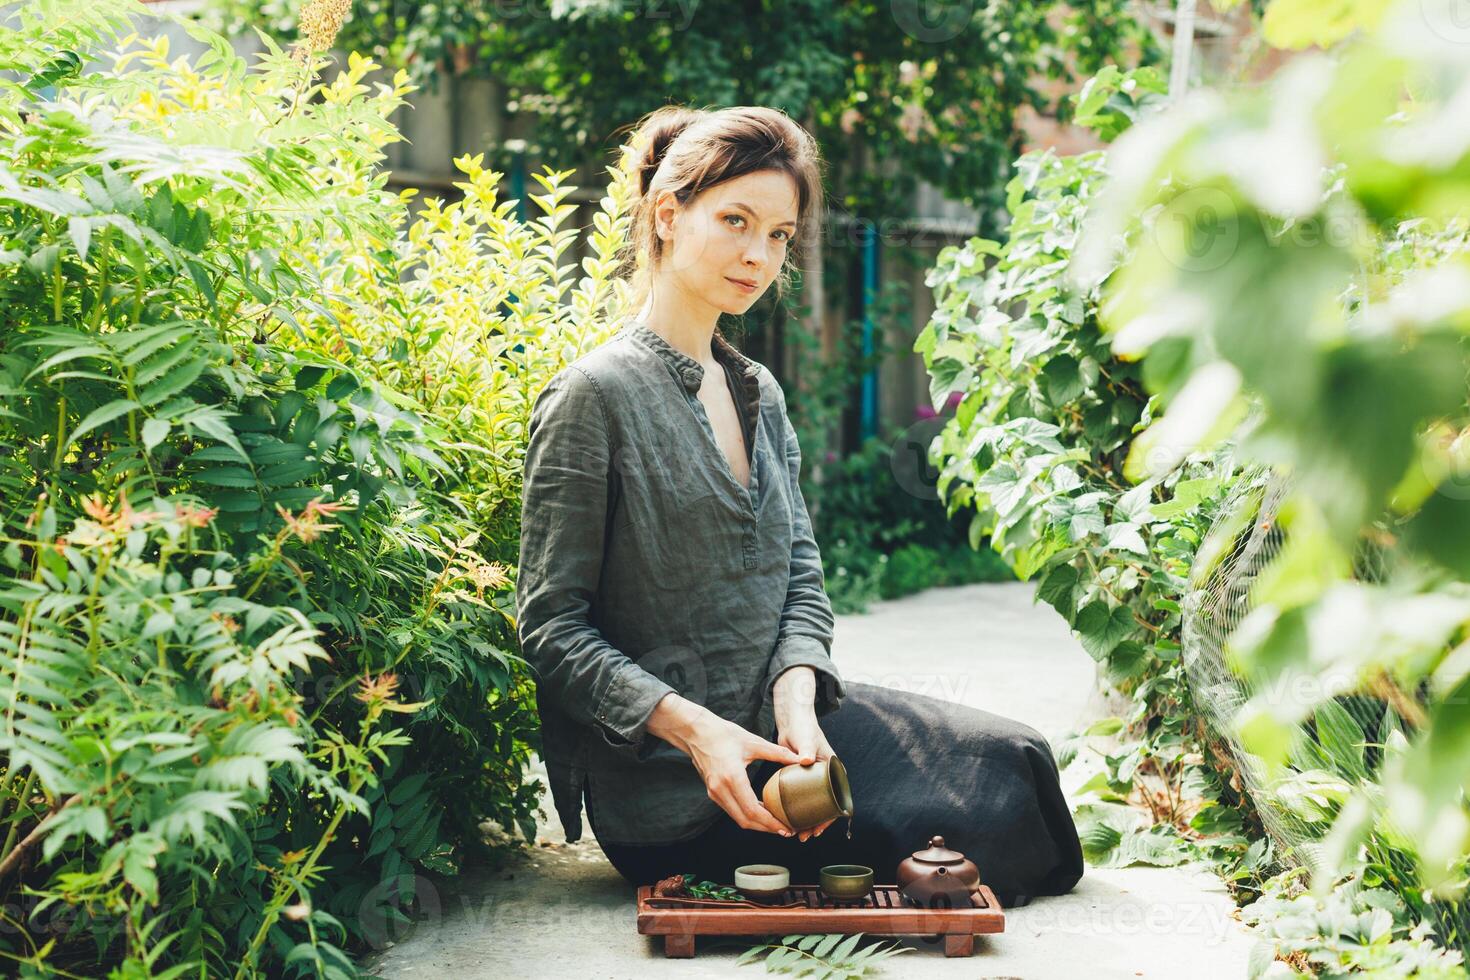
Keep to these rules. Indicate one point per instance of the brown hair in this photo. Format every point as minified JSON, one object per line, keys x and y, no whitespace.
{"x":688,"y":150}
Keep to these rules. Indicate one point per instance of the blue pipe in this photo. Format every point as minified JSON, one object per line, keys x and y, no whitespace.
{"x":518,"y":184}
{"x":517,"y":191}
{"x":869,"y":416}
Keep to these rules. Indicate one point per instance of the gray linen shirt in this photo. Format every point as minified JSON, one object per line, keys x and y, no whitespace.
{"x":646,"y":567}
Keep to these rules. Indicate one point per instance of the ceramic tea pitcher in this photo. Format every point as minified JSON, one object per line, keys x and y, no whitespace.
{"x":803,"y":797}
{"x":937,"y":876}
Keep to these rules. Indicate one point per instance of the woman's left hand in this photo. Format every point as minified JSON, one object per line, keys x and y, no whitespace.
{"x":794,"y":698}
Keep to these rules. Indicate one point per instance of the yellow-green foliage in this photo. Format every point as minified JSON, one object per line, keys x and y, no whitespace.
{"x":259,"y":474}
{"x":480,"y":310}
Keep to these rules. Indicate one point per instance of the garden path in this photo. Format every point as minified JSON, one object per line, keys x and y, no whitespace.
{"x":560,"y":910}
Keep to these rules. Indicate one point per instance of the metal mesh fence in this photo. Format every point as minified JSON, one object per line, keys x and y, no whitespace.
{"x":1339,"y":748}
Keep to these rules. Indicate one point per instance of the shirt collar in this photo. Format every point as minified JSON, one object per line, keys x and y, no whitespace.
{"x":690,"y":371}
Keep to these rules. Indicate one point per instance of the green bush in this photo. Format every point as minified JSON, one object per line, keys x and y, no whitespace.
{"x":915,"y":567}
{"x":1269,"y":283}
{"x":1307,"y":273}
{"x":260,"y":450}
{"x":1034,"y":458}
{"x":873,"y":530}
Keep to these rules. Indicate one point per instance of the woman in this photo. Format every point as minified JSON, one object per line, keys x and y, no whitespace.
{"x":671,"y":595}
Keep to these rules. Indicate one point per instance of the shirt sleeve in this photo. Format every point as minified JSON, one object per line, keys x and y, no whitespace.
{"x":805,"y":634}
{"x":563,"y":518}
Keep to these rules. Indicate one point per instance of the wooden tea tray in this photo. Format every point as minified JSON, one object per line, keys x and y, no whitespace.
{"x":881,"y":913}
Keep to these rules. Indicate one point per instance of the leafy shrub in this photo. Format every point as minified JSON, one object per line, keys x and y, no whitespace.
{"x":881,"y":535}
{"x":1310,"y":279}
{"x":1035,"y":457}
{"x":915,"y":567}
{"x":1354,"y":929}
{"x":1263,"y":285}
{"x":260,"y":451}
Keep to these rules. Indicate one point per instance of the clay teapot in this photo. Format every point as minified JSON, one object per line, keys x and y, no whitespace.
{"x":937,"y":877}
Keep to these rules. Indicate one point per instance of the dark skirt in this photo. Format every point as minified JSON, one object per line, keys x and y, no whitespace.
{"x":918,"y":767}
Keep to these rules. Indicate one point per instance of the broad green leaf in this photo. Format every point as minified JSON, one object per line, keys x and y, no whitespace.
{"x":828,"y":943}
{"x":101,"y":416}
{"x":78,"y":818}
{"x":1058,"y":589}
{"x":1342,"y":739}
{"x":1124,"y":537}
{"x":845,"y":948}
{"x":155,"y":431}
{"x":1101,"y":629}
{"x":80,"y":230}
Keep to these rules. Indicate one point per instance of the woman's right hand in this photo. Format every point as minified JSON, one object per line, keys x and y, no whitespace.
{"x":721,"y":751}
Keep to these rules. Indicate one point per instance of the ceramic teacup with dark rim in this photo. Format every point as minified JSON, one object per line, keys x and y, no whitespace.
{"x":846,"y":882}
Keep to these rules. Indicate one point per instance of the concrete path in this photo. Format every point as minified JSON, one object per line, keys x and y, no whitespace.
{"x":562,"y":911}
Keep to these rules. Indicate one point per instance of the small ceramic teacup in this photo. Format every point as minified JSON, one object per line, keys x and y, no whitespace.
{"x":846,"y":881}
{"x":762,"y":882}
{"x":804,"y":797}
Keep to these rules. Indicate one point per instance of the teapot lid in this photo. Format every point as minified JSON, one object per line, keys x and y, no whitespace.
{"x":937,"y":853}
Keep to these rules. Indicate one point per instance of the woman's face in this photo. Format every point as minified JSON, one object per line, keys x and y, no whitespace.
{"x":727,"y":245}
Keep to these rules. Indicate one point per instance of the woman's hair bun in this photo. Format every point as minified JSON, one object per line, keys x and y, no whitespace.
{"x":659,"y":129}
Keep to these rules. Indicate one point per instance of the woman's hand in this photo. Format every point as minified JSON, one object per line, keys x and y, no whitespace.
{"x":721,"y":751}
{"x":794,"y":698}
